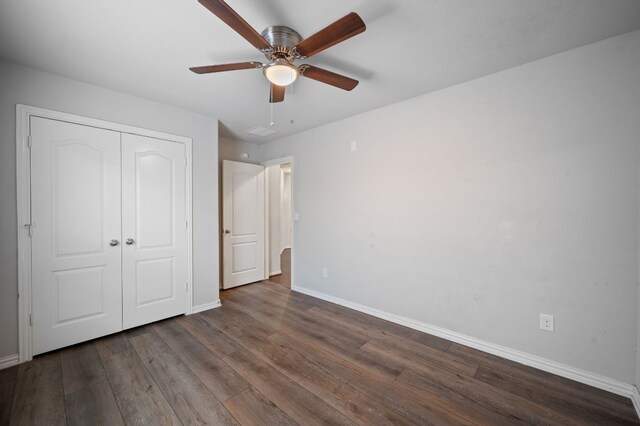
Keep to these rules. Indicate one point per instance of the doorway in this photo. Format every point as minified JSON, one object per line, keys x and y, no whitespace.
{"x":279,"y":186}
{"x":243,"y":224}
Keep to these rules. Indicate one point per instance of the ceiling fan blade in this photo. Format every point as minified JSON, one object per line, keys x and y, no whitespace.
{"x":276,"y":93}
{"x":341,"y":30}
{"x":225,"y":67}
{"x":235,"y":21}
{"x":328,"y":77}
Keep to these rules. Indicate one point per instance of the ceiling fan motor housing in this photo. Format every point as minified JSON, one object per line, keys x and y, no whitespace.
{"x":281,"y":71}
{"x":281,"y":36}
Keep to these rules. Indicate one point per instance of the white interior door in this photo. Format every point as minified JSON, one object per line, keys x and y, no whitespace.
{"x":242,"y":223}
{"x":76,"y":252}
{"x":154,"y":229}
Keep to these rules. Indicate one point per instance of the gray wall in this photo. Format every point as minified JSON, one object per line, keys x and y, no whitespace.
{"x":231,"y":149}
{"x":477,"y":207}
{"x":27,"y":86}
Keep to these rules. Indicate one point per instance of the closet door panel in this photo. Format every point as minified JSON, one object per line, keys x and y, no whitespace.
{"x":76,"y":281}
{"x":154,"y":229}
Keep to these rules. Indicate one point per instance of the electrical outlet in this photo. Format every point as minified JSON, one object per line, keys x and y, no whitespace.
{"x":546,"y":322}
{"x":325,"y":273}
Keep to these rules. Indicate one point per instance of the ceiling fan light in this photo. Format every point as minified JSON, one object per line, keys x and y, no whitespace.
{"x":281,"y":72}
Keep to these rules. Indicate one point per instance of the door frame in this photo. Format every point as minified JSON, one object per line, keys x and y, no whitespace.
{"x":267,"y":242}
{"x":23,"y":186}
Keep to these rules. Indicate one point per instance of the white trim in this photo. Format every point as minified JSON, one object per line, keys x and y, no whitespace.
{"x":582,"y":376}
{"x":9,"y":361}
{"x":93,"y":122}
{"x":189,"y":214}
{"x":284,"y":248}
{"x":278,"y":272}
{"x":635,"y":399}
{"x":283,"y":160}
{"x":267,"y":224}
{"x":205,"y":307}
{"x":23,"y":187}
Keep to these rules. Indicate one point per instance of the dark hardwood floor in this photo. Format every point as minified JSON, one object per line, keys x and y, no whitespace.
{"x":284,"y":279}
{"x":273,"y":356}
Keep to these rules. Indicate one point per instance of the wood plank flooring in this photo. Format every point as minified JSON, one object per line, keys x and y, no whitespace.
{"x":284,"y":279}
{"x":270,"y":356}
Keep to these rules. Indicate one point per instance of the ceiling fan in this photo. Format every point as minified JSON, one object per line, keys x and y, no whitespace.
{"x":282,"y":46}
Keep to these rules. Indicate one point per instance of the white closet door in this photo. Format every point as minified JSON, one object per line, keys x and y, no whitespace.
{"x":153,"y":229}
{"x":76,"y":256}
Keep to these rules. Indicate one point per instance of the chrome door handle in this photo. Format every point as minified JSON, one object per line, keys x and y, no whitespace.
{"x":130,"y":241}
{"x":114,"y":243}
{"x":226,"y":231}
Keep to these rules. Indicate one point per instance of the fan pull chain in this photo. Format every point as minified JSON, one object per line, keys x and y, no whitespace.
{"x":271,"y":107}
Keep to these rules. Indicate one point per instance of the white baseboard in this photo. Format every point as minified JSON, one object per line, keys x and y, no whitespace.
{"x":635,"y":398}
{"x":582,"y":376}
{"x":206,"y":307}
{"x":272,"y":273}
{"x":8,"y":361}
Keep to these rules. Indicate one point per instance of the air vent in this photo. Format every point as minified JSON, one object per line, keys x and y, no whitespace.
{"x":260,"y":131}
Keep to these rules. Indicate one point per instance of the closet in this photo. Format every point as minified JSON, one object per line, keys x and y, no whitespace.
{"x":108,"y":231}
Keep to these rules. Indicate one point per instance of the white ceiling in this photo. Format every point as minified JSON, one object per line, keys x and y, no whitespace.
{"x":411,"y":47}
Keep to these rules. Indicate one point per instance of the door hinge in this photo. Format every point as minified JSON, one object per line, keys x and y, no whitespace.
{"x":186,"y":287}
{"x":29,"y":229}
{"x":29,"y":141}
{"x":31,"y":319}
{"x":186,"y":161}
{"x":186,"y":224}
